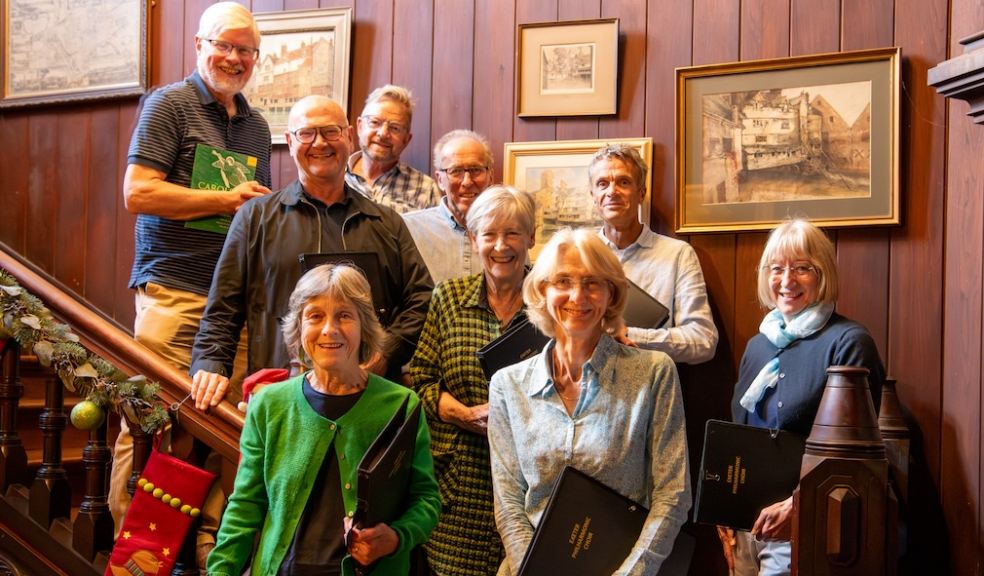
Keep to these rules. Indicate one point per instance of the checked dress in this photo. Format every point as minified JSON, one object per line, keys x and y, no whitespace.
{"x":459,"y":322}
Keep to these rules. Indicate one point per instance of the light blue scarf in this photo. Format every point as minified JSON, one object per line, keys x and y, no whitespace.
{"x":774,"y":327}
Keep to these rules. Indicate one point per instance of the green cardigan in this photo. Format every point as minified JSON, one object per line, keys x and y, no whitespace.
{"x":283,"y":444}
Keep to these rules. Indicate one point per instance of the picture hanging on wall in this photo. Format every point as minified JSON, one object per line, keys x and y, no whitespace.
{"x":302,"y":52}
{"x":567,"y":68}
{"x":812,"y":136}
{"x":58,"y":52}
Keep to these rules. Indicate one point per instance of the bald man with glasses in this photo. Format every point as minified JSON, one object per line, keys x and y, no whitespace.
{"x":463,"y":170}
{"x":317,"y":213}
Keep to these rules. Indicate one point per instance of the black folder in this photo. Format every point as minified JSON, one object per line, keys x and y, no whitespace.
{"x":386,"y":469}
{"x":743,"y":470}
{"x":365,"y":262}
{"x":517,"y":343}
{"x":642,"y":310}
{"x":587,"y":529}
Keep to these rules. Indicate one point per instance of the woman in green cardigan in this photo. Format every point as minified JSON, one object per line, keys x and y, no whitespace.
{"x":303,"y":441}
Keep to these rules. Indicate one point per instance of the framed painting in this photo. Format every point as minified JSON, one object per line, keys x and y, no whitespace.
{"x":59,"y":52}
{"x":302,"y":52}
{"x":567,"y":68}
{"x":556,"y":173}
{"x":812,"y":136}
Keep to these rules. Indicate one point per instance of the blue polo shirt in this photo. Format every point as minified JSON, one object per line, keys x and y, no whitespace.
{"x":172,"y":122}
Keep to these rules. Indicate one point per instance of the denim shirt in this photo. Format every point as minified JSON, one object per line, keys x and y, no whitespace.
{"x":627,"y":430}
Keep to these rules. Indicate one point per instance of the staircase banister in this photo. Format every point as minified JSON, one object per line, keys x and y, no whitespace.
{"x":219,"y":428}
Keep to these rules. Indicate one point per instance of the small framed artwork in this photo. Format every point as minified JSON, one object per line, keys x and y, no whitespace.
{"x":60,"y":52}
{"x":567,"y":68}
{"x":556,"y":173}
{"x":812,"y":136}
{"x":302,"y":52}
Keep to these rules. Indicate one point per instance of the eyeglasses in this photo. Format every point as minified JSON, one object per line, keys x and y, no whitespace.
{"x":308,"y":134}
{"x":589,"y":284}
{"x":797,"y":270}
{"x":458,"y":172}
{"x":225,"y":48}
{"x":394,"y":128}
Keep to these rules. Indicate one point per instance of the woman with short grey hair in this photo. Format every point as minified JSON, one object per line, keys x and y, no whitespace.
{"x":303,"y":441}
{"x":467,"y":313}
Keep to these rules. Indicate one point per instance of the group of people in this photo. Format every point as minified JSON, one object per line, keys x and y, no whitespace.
{"x":602,"y":395}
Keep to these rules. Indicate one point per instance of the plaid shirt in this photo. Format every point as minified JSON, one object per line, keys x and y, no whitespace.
{"x":403,"y":188}
{"x":459,"y":322}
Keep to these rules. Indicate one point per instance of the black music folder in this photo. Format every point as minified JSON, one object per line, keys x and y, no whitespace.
{"x":517,"y":343}
{"x":744,"y":469}
{"x":642,"y":310}
{"x":365,"y":262}
{"x":386,"y":468}
{"x":586,"y":530}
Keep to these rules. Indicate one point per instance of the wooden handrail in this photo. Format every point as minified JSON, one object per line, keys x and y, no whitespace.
{"x":219,"y":428}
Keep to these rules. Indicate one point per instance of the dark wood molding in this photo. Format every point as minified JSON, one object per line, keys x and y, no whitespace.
{"x":962,"y":77}
{"x":219,"y":428}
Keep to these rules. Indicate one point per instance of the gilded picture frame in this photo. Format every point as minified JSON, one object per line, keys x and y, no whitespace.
{"x":60,"y":52}
{"x":556,"y":173}
{"x":812,"y":136}
{"x":302,"y":52}
{"x":567,"y":68}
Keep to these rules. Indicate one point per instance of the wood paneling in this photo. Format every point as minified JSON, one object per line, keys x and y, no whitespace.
{"x":918,"y":287}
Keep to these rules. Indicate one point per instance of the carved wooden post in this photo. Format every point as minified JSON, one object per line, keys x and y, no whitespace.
{"x":93,"y":528}
{"x":895,"y":433}
{"x":51,"y":494}
{"x":142,"y":444}
{"x":13,"y":457}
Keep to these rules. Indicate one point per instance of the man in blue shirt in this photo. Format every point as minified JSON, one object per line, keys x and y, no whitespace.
{"x":173,"y":264}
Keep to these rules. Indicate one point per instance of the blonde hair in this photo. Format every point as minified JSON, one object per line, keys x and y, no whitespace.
{"x":223,"y":16}
{"x":799,"y":240}
{"x":502,"y":203}
{"x":338,"y":282}
{"x":393,"y":93}
{"x":599,"y":261}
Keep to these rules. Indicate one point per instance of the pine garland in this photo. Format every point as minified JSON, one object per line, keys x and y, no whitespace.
{"x":30,"y":324}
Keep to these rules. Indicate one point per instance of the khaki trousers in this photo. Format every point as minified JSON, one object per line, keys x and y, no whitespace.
{"x":166,"y":322}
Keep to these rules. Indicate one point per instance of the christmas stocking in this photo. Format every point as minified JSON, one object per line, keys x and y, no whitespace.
{"x":168,"y":498}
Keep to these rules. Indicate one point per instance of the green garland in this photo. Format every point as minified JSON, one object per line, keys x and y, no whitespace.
{"x":30,"y":324}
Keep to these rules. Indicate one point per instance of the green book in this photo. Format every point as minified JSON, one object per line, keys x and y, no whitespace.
{"x":218,"y":169}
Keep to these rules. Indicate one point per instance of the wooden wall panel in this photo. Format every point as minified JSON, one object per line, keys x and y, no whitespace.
{"x":170,"y":42}
{"x":14,"y":179}
{"x":454,"y":72}
{"x":961,"y":465}
{"x":811,"y":24}
{"x":42,"y":196}
{"x":103,"y":200}
{"x":123,"y":311}
{"x":534,"y":129}
{"x":495,"y":77}
{"x":413,"y":53}
{"x":71,"y":190}
{"x":372,"y":54}
{"x":764,"y":29}
{"x":915,"y":293}
{"x":630,"y":120}
{"x":668,"y":46}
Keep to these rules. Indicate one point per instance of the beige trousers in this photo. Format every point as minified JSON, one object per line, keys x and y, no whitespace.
{"x":166,"y":322}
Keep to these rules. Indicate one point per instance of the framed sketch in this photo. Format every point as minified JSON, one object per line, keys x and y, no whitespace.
{"x":57,"y":52}
{"x":556,"y":173}
{"x":812,"y":136}
{"x":567,"y":68}
{"x":302,"y":52}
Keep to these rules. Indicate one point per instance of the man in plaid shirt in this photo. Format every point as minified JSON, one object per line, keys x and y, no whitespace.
{"x":375,"y":170}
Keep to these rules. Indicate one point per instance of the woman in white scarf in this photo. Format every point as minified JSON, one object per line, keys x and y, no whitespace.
{"x":783,"y":370}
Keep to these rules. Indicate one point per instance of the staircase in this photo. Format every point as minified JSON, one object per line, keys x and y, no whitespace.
{"x":54,"y":479}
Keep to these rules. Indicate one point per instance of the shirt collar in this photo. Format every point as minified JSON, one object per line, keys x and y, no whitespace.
{"x":399,"y":167}
{"x":449,"y":217}
{"x":207,"y":99}
{"x":599,"y":366}
{"x":647,"y":239}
